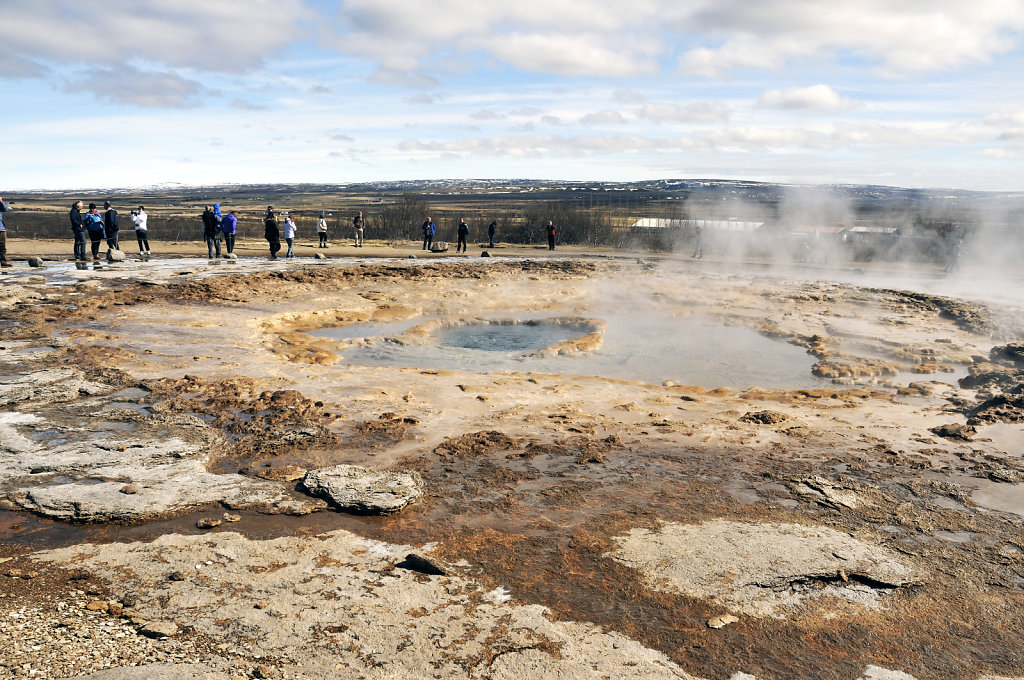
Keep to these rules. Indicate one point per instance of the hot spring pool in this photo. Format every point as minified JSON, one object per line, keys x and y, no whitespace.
{"x":649,"y":348}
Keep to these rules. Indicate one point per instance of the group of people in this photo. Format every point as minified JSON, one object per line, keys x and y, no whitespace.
{"x":105,"y":227}
{"x":272,"y":231}
{"x":216,"y":224}
{"x":430,"y":230}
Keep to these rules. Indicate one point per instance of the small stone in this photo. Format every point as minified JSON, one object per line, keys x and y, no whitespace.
{"x":764,"y":417}
{"x":159,"y":629}
{"x":265,"y":671}
{"x":96,"y":606}
{"x":115,"y":255}
{"x":721,"y":621}
{"x":262,"y":604}
{"x":208,"y":523}
{"x":228,"y":517}
{"x":130,"y":489}
{"x":15,"y":573}
{"x":177,"y":576}
{"x":319,"y":256}
{"x":230,"y":256}
{"x":954,"y":431}
{"x":285,"y":473}
{"x":485,"y":254}
{"x":411,"y":257}
{"x":35,"y":262}
{"x":115,"y":608}
{"x":421,"y":564}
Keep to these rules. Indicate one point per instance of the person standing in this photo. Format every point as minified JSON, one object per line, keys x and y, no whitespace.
{"x":491,"y":228}
{"x":271,"y":232}
{"x":94,"y":225}
{"x":321,"y":230}
{"x":551,"y":235}
{"x":3,"y":235}
{"x":78,"y":229}
{"x":229,"y":225}
{"x":698,"y":244}
{"x":463,"y":235}
{"x":289,"y":235}
{"x":141,"y":220}
{"x":357,"y":224}
{"x":211,"y":233}
{"x":428,"y":234}
{"x":110,"y":225}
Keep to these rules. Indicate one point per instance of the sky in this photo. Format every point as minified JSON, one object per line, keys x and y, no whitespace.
{"x":134,"y":93}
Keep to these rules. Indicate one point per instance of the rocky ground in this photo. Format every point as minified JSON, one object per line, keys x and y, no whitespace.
{"x":197,"y":484}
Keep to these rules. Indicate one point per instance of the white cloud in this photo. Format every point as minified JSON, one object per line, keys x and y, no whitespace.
{"x":129,"y":85}
{"x":607,"y":117}
{"x":900,"y":36}
{"x":818,"y":97}
{"x":225,"y":36}
{"x":697,"y":112}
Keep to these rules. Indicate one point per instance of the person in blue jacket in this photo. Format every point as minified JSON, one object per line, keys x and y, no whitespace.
{"x":211,"y":233}
{"x":229,"y":225}
{"x":94,"y":225}
{"x":3,"y":235}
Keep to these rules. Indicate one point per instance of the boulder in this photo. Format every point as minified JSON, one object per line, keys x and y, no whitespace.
{"x":230,"y":256}
{"x":115,"y":255}
{"x":363,"y":491}
{"x":35,"y":262}
{"x":485,"y":254}
{"x":319,"y":256}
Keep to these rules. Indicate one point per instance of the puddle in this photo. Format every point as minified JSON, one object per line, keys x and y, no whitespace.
{"x":1007,"y":437}
{"x":649,"y":348}
{"x":997,"y":496}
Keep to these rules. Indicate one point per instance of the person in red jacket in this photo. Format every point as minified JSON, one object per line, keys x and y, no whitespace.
{"x":551,"y":235}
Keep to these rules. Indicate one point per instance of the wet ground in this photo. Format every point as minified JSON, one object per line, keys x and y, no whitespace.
{"x":684,"y":395}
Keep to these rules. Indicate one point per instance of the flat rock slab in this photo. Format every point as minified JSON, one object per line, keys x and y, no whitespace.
{"x":762,"y":570}
{"x":363,"y":491}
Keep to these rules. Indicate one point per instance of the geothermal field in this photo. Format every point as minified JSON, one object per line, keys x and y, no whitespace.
{"x":532,"y":465}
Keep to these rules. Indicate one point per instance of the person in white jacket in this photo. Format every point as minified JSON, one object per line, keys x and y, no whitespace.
{"x":321,"y":230}
{"x":140,"y":219}
{"x":289,"y":235}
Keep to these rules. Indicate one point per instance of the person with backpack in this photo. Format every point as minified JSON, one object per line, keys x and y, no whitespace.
{"x":211,"y":233}
{"x":428,"y":233}
{"x":271,"y":232}
{"x":94,"y":225}
{"x":229,"y":225}
{"x":357,"y":225}
{"x":141,"y":220}
{"x":463,"y":235}
{"x":110,"y":226}
{"x":78,"y":229}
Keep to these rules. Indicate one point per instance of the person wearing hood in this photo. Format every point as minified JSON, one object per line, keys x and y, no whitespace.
{"x":289,"y":235}
{"x":78,"y":229}
{"x":211,"y":233}
{"x":271,"y":232}
{"x":229,"y":225}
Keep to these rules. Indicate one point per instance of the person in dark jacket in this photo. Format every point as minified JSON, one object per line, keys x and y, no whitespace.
{"x":229,"y":225}
{"x":551,"y":235}
{"x":271,"y":232}
{"x":110,"y":225}
{"x":211,"y":233}
{"x":78,"y":229}
{"x":94,"y":225}
{"x":3,"y":236}
{"x":428,"y":233}
{"x":463,"y":235}
{"x":491,"y":228}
